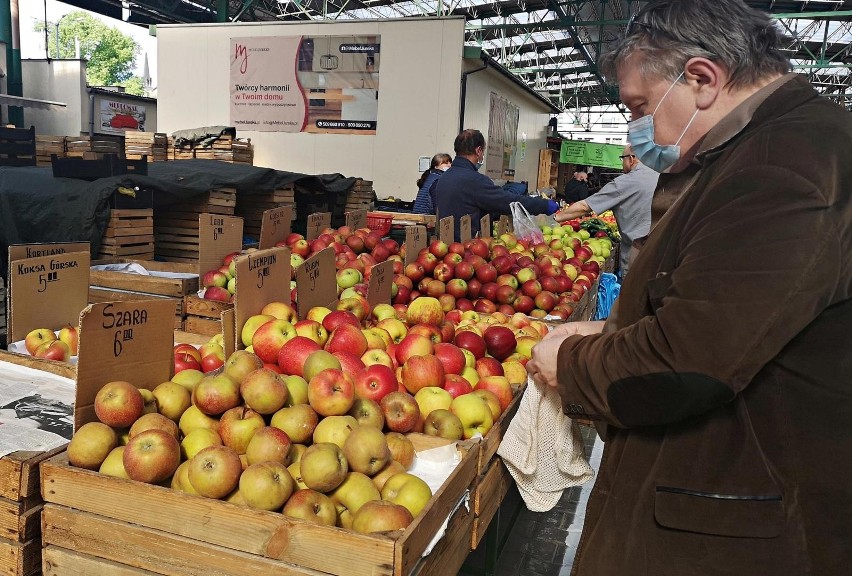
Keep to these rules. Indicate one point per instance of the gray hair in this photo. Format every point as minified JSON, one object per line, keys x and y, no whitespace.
{"x":668,"y":33}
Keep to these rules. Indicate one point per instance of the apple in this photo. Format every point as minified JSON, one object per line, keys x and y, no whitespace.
{"x":451,"y":357}
{"x":377,"y":338}
{"x":91,"y":444}
{"x":217,"y":294}
{"x":69,"y":335}
{"x":193,"y":419}
{"x":331,"y":392}
{"x":118,"y":404}
{"x":323,"y":467}
{"x":375,"y":382}
{"x":197,"y":440}
{"x":432,"y":398}
{"x":317,"y":314}
{"x":525,"y":345}
{"x":113,"y":464}
{"x":413,"y":345}
{"x":488,"y":366}
{"x":499,"y":386}
{"x":382,"y":311}
{"x":216,"y":394}
{"x":312,"y":330}
{"x":350,"y":363}
{"x":280,"y":311}
{"x":172,"y":400}
{"x":356,"y":304}
{"x":337,"y":317}
{"x":215,"y":471}
{"x":154,"y":421}
{"x":237,"y":426}
{"x":251,"y":325}
{"x":334,"y":429}
{"x":456,"y":385}
{"x":430,"y":331}
{"x":401,"y":449}
{"x":311,"y":506}
{"x":407,"y":490}
{"x":347,"y":337}
{"x":514,"y":371}
{"x":240,"y":364}
{"x":151,"y":456}
{"x":269,"y":444}
{"x":186,"y":361}
{"x":212,"y":360}
{"x":474,"y":413}
{"x":293,"y":354}
{"x":377,"y":357}
{"x":297,"y":390}
{"x":35,"y":338}
{"x":189,"y":379}
{"x":490,"y":399}
{"x":425,"y":310}
{"x":298,"y":422}
{"x":318,"y":361}
{"x":214,"y":278}
{"x":395,"y":328}
{"x":266,"y":485}
{"x":381,"y":516}
{"x":366,"y":450}
{"x":391,"y":468}
{"x":356,"y":490}
{"x":422,"y":371}
{"x":264,"y":391}
{"x":348,"y":277}
{"x":367,"y":412}
{"x":269,"y":338}
{"x":401,"y":411}
{"x":444,"y":424}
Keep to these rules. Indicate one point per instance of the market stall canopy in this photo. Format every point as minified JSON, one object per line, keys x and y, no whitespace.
{"x":7,"y":100}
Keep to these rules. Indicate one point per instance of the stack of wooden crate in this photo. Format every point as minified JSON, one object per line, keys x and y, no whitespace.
{"x":225,"y":148}
{"x":176,"y":225}
{"x":360,"y":196}
{"x":130,"y":232}
{"x":250,"y":207}
{"x":2,"y":311}
{"x":154,"y":145}
{"x":77,"y":146}
{"x":48,"y":145}
{"x":111,"y":285}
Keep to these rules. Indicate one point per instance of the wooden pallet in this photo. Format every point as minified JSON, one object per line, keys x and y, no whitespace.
{"x":176,"y":225}
{"x":129,"y":233}
{"x":153,"y":145}
{"x":360,"y":196}
{"x":47,"y":146}
{"x":77,"y":146}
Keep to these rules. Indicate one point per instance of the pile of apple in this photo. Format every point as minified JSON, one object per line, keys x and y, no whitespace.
{"x":507,"y":274}
{"x":45,"y":343}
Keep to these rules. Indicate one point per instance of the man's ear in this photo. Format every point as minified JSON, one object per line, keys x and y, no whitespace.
{"x":706,"y":78}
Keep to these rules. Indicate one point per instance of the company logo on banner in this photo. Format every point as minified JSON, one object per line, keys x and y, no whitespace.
{"x":118,"y":117}
{"x":321,"y":84}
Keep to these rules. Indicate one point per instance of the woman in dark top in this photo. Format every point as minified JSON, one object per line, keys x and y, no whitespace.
{"x":425,"y":201}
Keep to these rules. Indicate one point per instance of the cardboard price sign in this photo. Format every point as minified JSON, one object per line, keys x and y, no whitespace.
{"x":356,"y":219}
{"x":275,"y":226}
{"x":464,"y":228}
{"x":129,"y":341}
{"x":381,"y":278}
{"x":415,"y":240}
{"x":446,"y":231}
{"x":316,"y":284}
{"x":21,"y":251}
{"x":263,"y":276}
{"x":218,"y":236}
{"x":317,"y":222}
{"x":485,"y":226}
{"x":502,"y":225}
{"x":48,"y":292}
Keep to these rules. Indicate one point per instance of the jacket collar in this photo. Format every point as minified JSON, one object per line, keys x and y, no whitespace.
{"x":461,"y":162}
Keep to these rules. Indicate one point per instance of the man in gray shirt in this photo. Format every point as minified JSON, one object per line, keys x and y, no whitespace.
{"x":628,"y":196}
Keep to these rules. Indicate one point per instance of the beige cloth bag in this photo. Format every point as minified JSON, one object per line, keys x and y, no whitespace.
{"x":543,"y":449}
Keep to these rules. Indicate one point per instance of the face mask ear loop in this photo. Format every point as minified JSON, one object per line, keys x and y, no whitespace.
{"x":682,"y":134}
{"x":663,"y":99}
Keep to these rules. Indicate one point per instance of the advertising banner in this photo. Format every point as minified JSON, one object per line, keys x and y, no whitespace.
{"x":503,"y":119}
{"x":320,"y":84}
{"x":591,"y":154}
{"x":118,"y":117}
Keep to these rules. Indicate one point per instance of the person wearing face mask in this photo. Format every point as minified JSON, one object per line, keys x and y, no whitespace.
{"x":463,"y":190}
{"x":424,"y":203}
{"x":721,"y":382}
{"x":628,"y":196}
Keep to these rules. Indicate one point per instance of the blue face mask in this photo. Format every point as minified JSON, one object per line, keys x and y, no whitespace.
{"x":640,"y":134}
{"x":478,"y":165}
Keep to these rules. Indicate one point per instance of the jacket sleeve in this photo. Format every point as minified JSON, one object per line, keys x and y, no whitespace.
{"x":609,"y":196}
{"x":745,"y":285}
{"x":492,"y":198}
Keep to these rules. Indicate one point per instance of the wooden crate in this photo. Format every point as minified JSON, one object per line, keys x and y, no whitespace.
{"x":360,"y":196}
{"x":145,"y":527}
{"x":100,"y":294}
{"x":489,"y":492}
{"x":77,"y":146}
{"x":130,"y":232}
{"x":251,"y":206}
{"x":203,"y":316}
{"x":20,"y":500}
{"x":47,"y":146}
{"x":176,"y":225}
{"x":2,"y":309}
{"x":154,"y":145}
{"x":160,"y":285}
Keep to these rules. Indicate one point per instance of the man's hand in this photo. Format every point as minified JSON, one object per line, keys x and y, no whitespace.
{"x":542,"y":367}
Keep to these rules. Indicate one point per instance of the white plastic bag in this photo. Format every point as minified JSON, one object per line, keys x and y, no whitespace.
{"x":525,"y":226}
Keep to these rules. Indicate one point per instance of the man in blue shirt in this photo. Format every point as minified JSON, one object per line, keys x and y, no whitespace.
{"x":463,"y":190}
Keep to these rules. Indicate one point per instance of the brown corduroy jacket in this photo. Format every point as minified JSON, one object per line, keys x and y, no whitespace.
{"x":725,"y":379}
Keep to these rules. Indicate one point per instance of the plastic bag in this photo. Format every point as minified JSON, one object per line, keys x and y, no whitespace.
{"x":524,"y":225}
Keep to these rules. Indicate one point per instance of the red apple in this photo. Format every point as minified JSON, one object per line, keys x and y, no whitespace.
{"x":331,"y":392}
{"x":470,"y":341}
{"x":456,"y":385}
{"x":451,"y":357}
{"x":348,"y":338}
{"x":422,"y":371}
{"x":293,"y":354}
{"x":375,"y":382}
{"x":401,"y":411}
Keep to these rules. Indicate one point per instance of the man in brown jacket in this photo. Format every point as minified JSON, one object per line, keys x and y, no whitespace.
{"x":723,"y":382}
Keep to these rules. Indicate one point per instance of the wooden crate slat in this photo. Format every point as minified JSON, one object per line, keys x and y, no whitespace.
{"x":129,"y":231}
{"x":204,"y":326}
{"x":17,"y":559}
{"x":127,"y":240}
{"x":208,"y":308}
{"x":98,"y":294}
{"x":58,"y":561}
{"x":127,"y":250}
{"x":486,"y":498}
{"x":154,"y":550}
{"x":20,"y":520}
{"x":19,"y":471}
{"x":256,"y":532}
